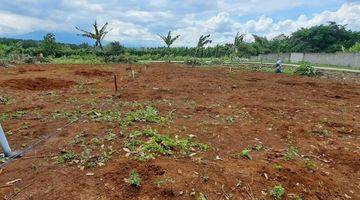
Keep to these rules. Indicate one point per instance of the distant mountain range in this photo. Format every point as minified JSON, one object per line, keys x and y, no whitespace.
{"x":73,"y":38}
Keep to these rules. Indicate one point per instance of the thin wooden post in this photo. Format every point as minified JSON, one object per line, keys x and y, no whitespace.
{"x":115,"y":82}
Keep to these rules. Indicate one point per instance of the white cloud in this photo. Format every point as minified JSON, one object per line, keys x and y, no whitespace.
{"x":123,"y":31}
{"x":82,"y":5}
{"x":11,"y":24}
{"x":143,"y":20}
{"x":223,"y":28}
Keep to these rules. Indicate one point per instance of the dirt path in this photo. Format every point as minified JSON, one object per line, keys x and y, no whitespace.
{"x":198,"y":131}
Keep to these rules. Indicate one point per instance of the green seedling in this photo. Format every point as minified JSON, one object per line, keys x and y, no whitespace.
{"x":202,"y":196}
{"x":278,"y":167}
{"x":291,"y":153}
{"x":278,"y":191}
{"x":246,"y":154}
{"x":134,"y":179}
{"x":66,"y":157}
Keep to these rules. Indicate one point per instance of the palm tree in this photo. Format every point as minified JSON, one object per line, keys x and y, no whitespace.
{"x":239,"y":39}
{"x":203,"y":40}
{"x":98,"y":36}
{"x":169,"y":40}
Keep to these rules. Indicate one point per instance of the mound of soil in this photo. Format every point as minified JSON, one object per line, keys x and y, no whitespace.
{"x":24,"y":70}
{"x":37,"y":84}
{"x":94,"y":73}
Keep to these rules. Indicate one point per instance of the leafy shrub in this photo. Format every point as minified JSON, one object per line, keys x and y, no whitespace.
{"x":305,"y":69}
{"x":134,"y":179}
{"x":355,"y":48}
{"x":192,"y":62}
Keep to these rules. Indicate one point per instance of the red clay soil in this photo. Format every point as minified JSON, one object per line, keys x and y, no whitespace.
{"x":93,"y":73}
{"x":37,"y":83}
{"x":229,"y":111}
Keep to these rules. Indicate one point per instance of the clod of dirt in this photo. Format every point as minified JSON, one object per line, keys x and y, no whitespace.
{"x":37,"y":84}
{"x":94,"y":73}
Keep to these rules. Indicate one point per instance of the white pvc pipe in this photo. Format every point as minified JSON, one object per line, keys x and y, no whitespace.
{"x":4,"y":143}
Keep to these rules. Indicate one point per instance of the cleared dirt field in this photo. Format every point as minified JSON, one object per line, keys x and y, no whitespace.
{"x":301,"y":133}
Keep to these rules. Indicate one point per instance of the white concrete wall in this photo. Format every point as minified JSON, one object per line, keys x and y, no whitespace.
{"x":296,"y":57}
{"x":285,"y":57}
{"x":340,"y":59}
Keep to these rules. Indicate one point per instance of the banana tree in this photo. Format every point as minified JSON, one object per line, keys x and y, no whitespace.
{"x":98,"y":35}
{"x":169,"y":40}
{"x":239,"y":39}
{"x":203,"y":40}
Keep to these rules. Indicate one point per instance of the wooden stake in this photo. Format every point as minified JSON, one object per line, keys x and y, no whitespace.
{"x":133,"y":74}
{"x":115,"y":82}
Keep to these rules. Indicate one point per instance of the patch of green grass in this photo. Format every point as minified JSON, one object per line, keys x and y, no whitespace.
{"x":134,"y":179}
{"x":79,"y":138}
{"x":291,"y":153}
{"x":78,"y":59}
{"x":149,"y":143}
{"x":258,"y":147}
{"x":13,"y":115}
{"x":66,"y":157}
{"x":149,"y":114}
{"x":278,"y":167}
{"x":71,"y":116}
{"x":278,"y":191}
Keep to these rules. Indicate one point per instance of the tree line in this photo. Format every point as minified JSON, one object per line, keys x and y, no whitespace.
{"x":328,"y":38}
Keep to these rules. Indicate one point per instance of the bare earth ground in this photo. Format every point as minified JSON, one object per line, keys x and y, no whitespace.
{"x":229,"y":111}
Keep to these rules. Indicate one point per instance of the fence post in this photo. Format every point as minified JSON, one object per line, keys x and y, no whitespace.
{"x":4,"y":143}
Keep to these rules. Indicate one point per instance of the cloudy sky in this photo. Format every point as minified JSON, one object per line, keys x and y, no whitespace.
{"x":137,"y":22}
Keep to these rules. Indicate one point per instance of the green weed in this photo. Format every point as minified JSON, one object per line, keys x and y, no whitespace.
{"x":134,"y":179}
{"x":278,"y":191}
{"x":291,"y":153}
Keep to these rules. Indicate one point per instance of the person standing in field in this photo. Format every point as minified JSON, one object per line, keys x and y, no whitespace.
{"x":278,"y":67}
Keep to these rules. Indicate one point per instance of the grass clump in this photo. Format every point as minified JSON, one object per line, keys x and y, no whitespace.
{"x":278,"y":167}
{"x":149,"y":114}
{"x":148,"y":143}
{"x":134,"y":179}
{"x":305,"y":69}
{"x":278,"y":191}
{"x":66,"y":157}
{"x":291,"y":153}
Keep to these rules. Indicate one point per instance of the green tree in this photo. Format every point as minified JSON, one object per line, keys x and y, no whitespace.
{"x":355,"y":48}
{"x":203,"y":40}
{"x":114,"y":48}
{"x":98,"y":35}
{"x":49,"y":47}
{"x":328,"y":38}
{"x":169,"y":40}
